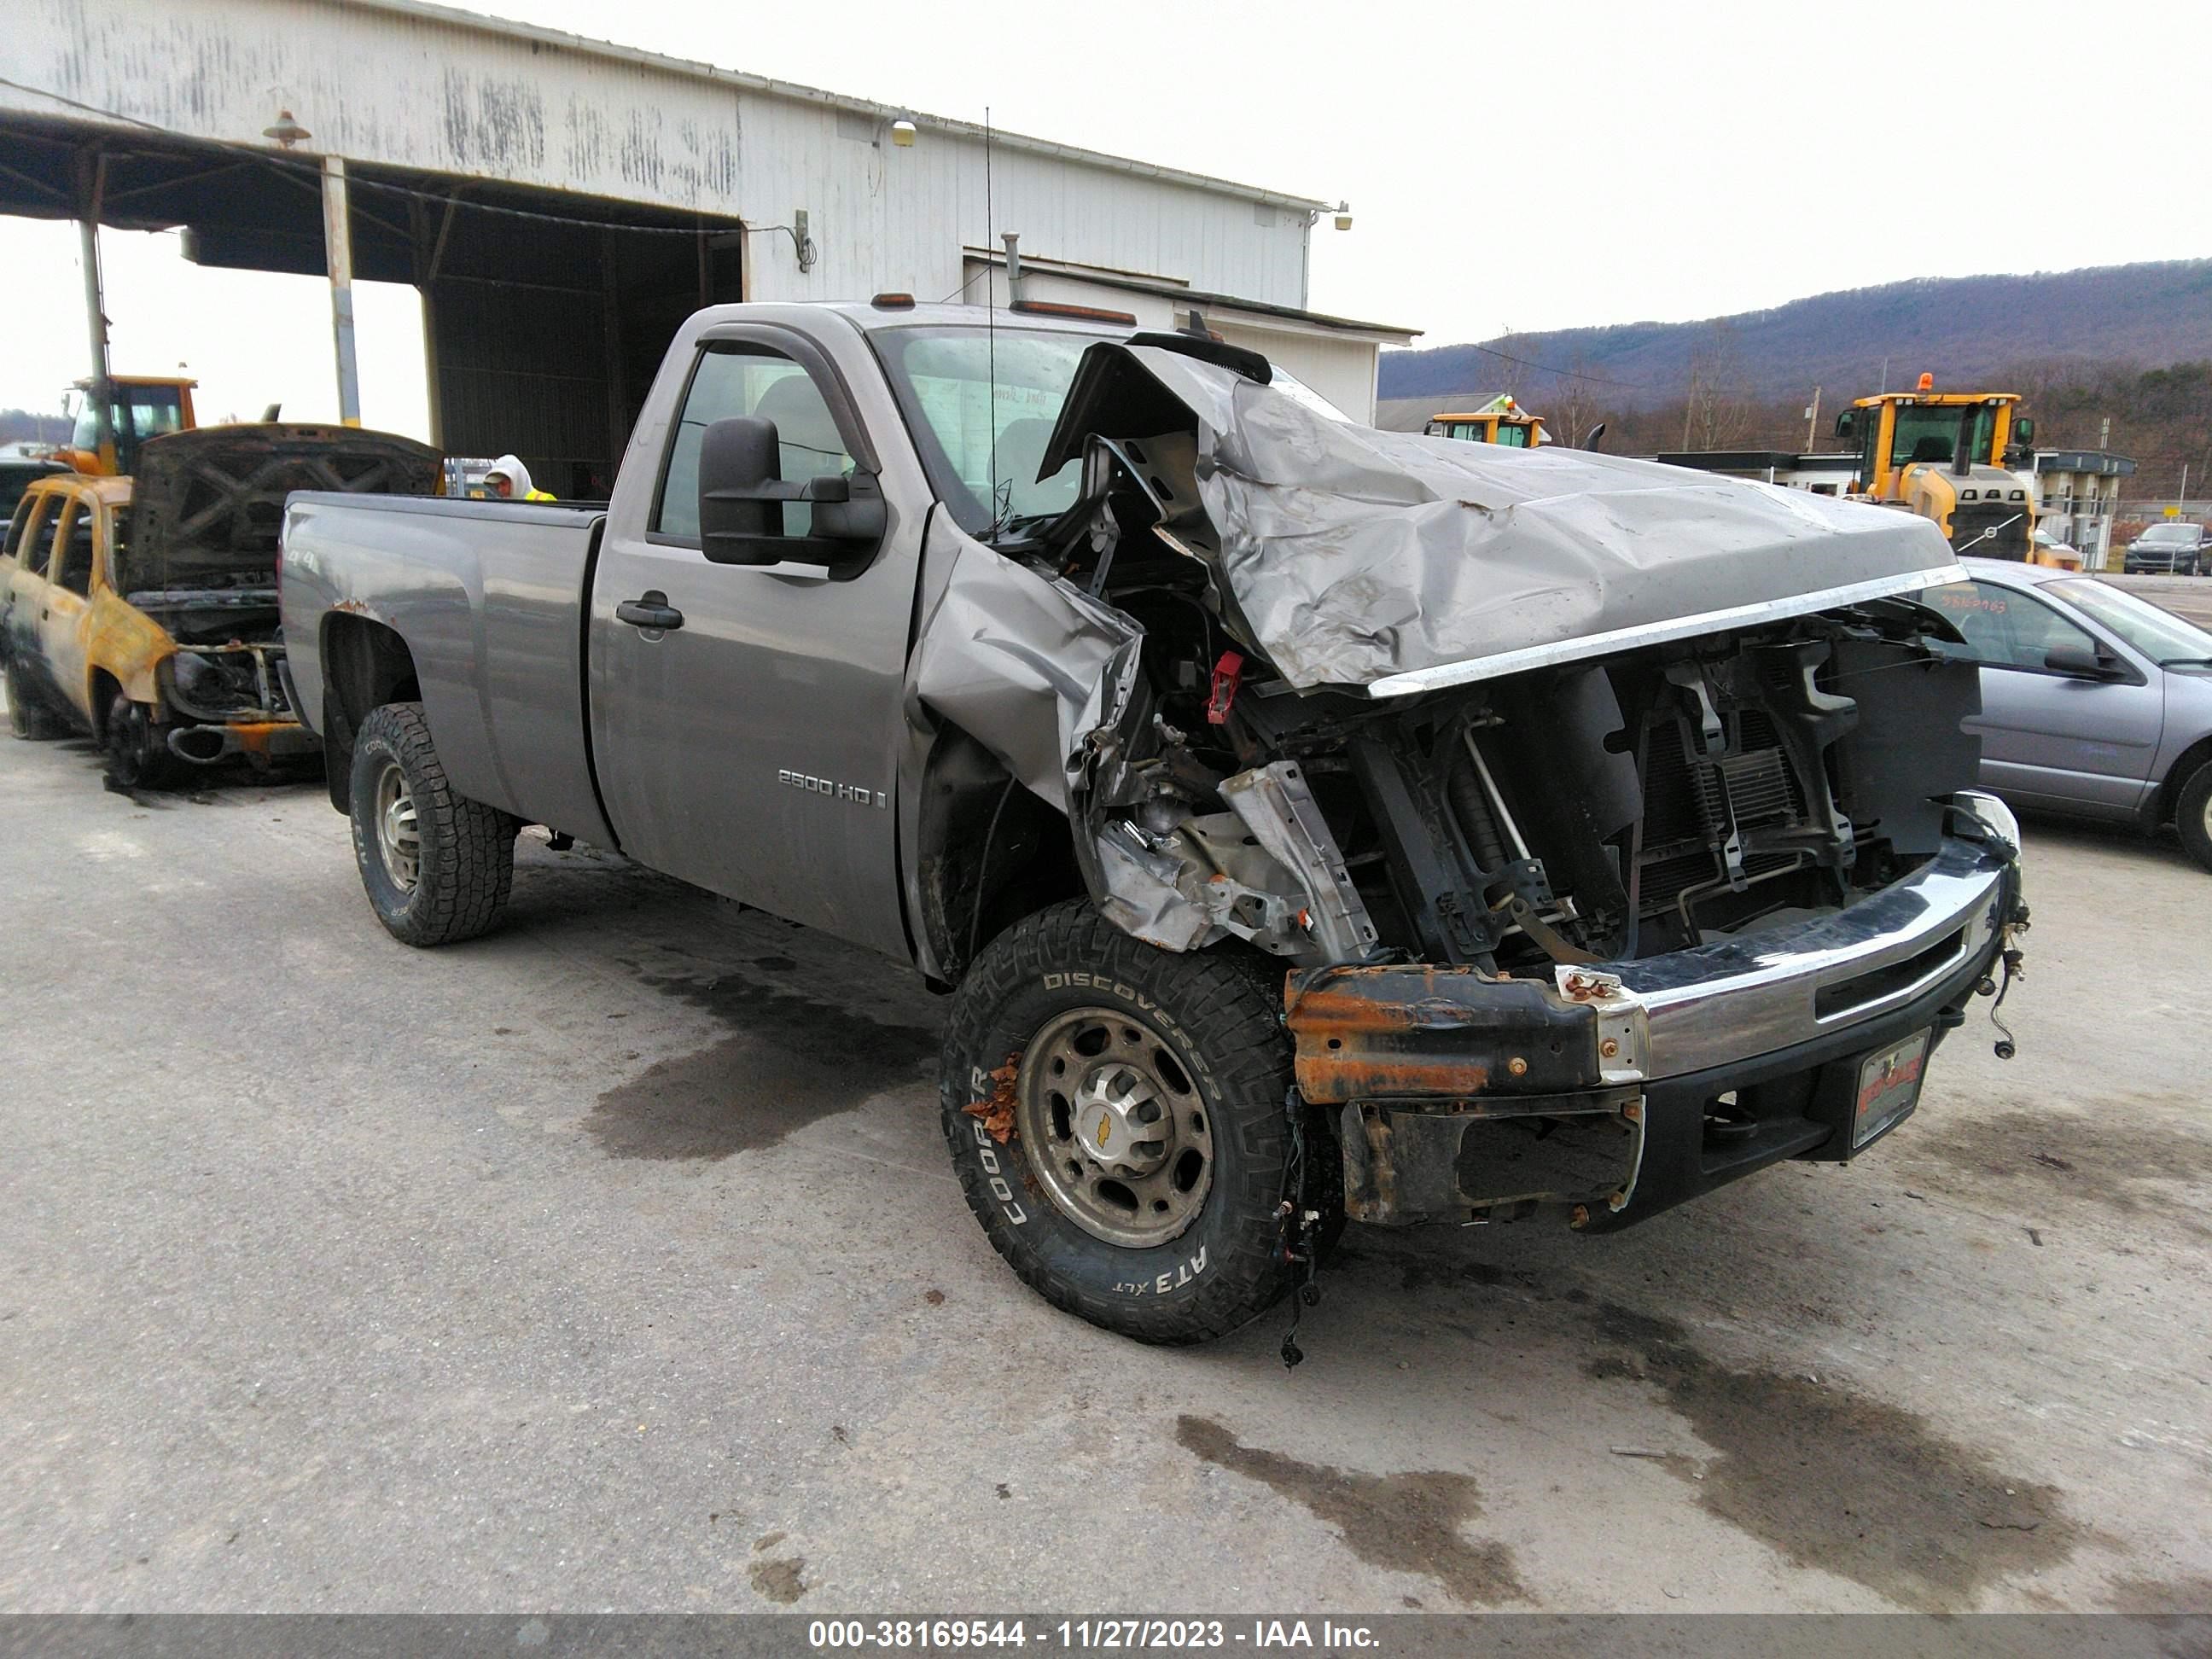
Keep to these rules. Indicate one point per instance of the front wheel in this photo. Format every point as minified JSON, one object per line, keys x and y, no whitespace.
{"x":137,"y":747}
{"x":2192,"y":815}
{"x":437,"y":867}
{"x":1117,"y":1118}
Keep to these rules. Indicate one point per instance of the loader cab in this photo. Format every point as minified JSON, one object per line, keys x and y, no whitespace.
{"x":1503,"y":423}
{"x":143,"y":406}
{"x":1946,"y":455}
{"x":1958,"y":431}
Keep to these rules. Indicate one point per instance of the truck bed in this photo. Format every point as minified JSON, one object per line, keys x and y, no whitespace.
{"x":492,"y":596}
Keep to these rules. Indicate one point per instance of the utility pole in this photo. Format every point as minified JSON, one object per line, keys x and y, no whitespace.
{"x":337,"y":260}
{"x":92,"y":181}
{"x":1812,"y":419}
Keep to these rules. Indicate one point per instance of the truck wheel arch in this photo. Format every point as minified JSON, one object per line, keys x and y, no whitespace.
{"x":366,"y":664}
{"x":988,"y":853}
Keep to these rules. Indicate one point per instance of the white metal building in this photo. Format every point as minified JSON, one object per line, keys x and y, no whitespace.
{"x":555,"y":197}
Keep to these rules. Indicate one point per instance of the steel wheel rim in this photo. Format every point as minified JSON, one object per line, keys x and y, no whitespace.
{"x":1115,"y":1129}
{"x":398,"y":837}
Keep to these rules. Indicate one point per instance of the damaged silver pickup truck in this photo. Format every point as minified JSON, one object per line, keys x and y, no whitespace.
{"x":1308,"y":822}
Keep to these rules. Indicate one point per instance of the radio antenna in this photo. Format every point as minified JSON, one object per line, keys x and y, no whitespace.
{"x":998,"y":510}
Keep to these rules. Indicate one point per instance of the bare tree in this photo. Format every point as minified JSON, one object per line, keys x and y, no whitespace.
{"x":1572,"y":404}
{"x":1718,"y":411}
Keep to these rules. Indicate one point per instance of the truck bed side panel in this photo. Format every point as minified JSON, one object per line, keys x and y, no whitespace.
{"x":488,"y":596}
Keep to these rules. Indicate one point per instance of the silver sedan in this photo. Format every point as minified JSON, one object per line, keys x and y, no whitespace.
{"x":2094,"y":703}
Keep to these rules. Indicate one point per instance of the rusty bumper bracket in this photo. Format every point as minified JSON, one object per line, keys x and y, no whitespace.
{"x":1389,"y":1032}
{"x":1409,"y":1163}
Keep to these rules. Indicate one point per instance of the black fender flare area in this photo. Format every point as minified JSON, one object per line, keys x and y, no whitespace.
{"x":988,"y":853}
{"x":366,"y":664}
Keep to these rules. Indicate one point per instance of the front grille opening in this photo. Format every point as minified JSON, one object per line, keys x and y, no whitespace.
{"x":1856,"y":992}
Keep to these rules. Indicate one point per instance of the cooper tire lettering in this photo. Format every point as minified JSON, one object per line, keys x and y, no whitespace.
{"x":1218,"y":1014}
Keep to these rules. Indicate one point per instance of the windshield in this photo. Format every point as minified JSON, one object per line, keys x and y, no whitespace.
{"x":138,"y":412}
{"x":1932,"y":433}
{"x":982,"y":403}
{"x":2159,"y":635}
{"x":2164,"y":535}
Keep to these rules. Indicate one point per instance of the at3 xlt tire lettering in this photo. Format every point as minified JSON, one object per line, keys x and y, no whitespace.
{"x":1217,"y":1015}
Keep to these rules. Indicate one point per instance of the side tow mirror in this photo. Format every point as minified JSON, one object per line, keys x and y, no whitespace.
{"x":742,"y":491}
{"x":2081,"y":662}
{"x":1847,"y":423}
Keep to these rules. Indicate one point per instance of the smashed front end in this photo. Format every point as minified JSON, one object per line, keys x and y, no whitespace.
{"x":1615,"y":825}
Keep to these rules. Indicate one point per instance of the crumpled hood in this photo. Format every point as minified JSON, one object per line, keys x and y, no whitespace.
{"x":209,"y":503}
{"x":1399,"y":562}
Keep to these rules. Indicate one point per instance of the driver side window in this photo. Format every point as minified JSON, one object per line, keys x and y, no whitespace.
{"x":749,"y":379}
{"x":2006,"y":629}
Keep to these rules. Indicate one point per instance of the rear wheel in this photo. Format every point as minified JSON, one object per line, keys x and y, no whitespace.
{"x":1116,"y":1115}
{"x":137,"y":748}
{"x":437,"y":867}
{"x":2192,"y":815}
{"x":27,"y":717}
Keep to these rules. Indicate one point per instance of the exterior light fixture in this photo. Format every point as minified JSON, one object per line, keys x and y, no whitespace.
{"x":1344,"y":215}
{"x":286,"y":132}
{"x":902,"y":133}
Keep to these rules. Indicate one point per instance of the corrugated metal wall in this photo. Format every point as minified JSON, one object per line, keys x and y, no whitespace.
{"x":412,"y":86}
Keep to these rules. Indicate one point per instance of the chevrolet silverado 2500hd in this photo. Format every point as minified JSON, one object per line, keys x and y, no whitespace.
{"x":1307,"y":821}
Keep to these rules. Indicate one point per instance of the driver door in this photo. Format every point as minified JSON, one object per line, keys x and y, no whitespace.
{"x":751,"y":747}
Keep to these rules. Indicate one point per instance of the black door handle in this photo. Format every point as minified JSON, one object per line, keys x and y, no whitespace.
{"x":651,"y":610}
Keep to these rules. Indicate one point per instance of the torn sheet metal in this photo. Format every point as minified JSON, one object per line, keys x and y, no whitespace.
{"x":1401,"y":562}
{"x":1003,"y":647}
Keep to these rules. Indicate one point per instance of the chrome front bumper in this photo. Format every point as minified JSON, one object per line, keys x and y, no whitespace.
{"x":1417,"y":1031}
{"x":1736,"y":999}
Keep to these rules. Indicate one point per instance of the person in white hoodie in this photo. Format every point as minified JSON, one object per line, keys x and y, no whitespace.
{"x":509,"y":480}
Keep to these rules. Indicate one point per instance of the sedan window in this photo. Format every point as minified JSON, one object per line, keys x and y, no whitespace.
{"x":2004,"y":628}
{"x":2159,"y":635}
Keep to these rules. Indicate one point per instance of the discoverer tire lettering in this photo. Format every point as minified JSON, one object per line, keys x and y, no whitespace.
{"x":1217,"y":1015}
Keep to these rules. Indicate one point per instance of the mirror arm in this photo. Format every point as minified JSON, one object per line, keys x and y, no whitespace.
{"x":828,"y":488}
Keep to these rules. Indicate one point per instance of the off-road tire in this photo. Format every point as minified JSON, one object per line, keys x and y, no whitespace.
{"x":2192,"y":815}
{"x":29,"y":717}
{"x":465,"y":849}
{"x":136,"y":747}
{"x":1220,"y":1014}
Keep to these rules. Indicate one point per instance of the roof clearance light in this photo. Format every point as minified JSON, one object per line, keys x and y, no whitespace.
{"x":893,"y":302}
{"x":1081,"y":313}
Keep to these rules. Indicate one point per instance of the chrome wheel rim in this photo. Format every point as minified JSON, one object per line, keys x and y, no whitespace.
{"x":1115,"y":1128}
{"x":398,"y":838}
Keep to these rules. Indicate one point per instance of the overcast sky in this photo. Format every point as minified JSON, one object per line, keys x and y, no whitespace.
{"x":1509,"y":167}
